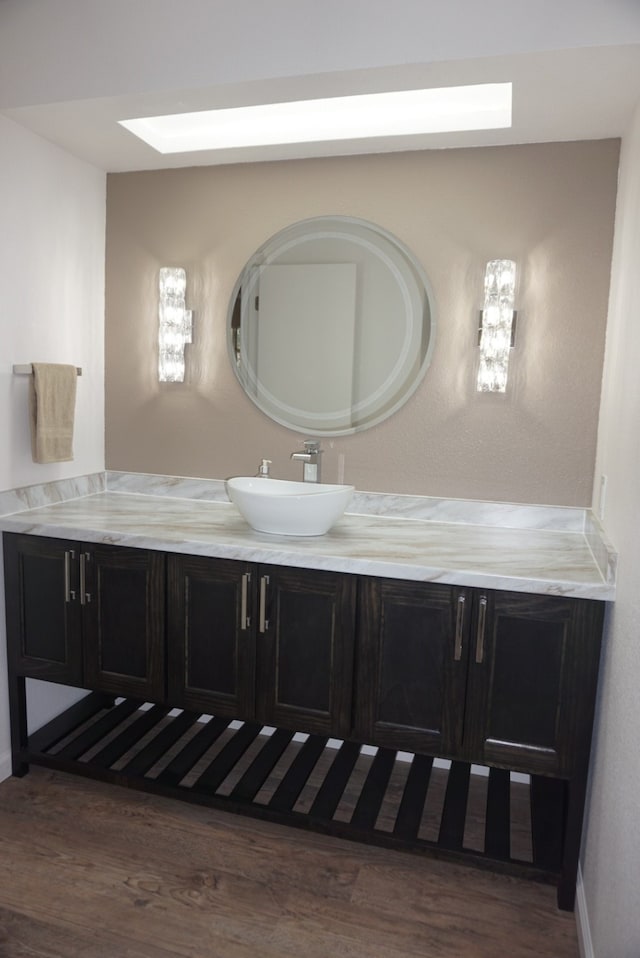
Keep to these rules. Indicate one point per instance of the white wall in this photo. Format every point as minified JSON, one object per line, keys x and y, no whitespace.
{"x":52,"y":227}
{"x":138,"y":48}
{"x":611,"y":849}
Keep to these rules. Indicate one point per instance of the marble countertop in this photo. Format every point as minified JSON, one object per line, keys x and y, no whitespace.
{"x":554,"y":561}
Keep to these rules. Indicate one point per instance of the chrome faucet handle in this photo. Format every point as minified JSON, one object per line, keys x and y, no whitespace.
{"x":312,"y":446}
{"x":263,"y":471}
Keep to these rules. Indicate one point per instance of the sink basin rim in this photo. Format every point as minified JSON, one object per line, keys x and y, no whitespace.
{"x":287,"y":507}
{"x":288,"y":488}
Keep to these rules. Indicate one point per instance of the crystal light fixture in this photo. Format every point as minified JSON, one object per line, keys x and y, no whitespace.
{"x":497,"y":327}
{"x":175,"y":325}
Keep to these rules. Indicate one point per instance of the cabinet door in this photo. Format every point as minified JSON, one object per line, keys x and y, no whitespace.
{"x":305,"y":645}
{"x":532,"y":681}
{"x":122,"y":599}
{"x":43,"y":611}
{"x":412,"y":660}
{"x":211,"y":640}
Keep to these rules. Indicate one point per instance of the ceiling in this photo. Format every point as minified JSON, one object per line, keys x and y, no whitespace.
{"x":70,"y":69}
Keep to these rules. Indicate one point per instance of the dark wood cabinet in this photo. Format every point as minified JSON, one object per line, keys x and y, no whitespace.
{"x":495,"y":678}
{"x":501,"y":679}
{"x":122,"y":595}
{"x":211,"y":650}
{"x":305,"y":648}
{"x":533,"y":667}
{"x":264,"y":643}
{"x":86,"y":615}
{"x":411,"y":676}
{"x":44,"y":625}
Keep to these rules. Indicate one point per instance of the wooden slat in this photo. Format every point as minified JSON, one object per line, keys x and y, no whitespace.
{"x":411,"y":807}
{"x":117,"y":747}
{"x":193,"y":751}
{"x":63,"y":725}
{"x":547,"y":817}
{"x":216,"y":772}
{"x":497,"y":832}
{"x":373,"y":790}
{"x":330,"y":792}
{"x":288,"y":791}
{"x":160,"y":745}
{"x":547,"y":796}
{"x":92,"y":735}
{"x":262,"y":765}
{"x":455,"y":806}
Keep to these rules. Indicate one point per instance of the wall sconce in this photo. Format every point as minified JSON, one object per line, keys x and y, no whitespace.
{"x":497,"y":329}
{"x":175,"y":324}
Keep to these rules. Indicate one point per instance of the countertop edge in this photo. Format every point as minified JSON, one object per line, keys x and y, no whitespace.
{"x":274,"y":551}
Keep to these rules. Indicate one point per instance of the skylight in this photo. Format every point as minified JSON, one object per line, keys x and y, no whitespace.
{"x":446,"y":109}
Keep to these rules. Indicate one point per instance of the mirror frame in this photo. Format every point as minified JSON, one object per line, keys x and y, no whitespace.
{"x":413,"y":287}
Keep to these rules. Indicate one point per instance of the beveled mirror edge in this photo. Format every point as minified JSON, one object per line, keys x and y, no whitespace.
{"x":428,"y":320}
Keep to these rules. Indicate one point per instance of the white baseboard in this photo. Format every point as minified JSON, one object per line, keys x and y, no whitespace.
{"x":582,"y":920}
{"x":5,"y":765}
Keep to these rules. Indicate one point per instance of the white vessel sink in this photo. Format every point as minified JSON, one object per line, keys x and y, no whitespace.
{"x":288,"y":508}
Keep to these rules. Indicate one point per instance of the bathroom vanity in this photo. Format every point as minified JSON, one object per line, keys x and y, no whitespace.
{"x":262,"y":674}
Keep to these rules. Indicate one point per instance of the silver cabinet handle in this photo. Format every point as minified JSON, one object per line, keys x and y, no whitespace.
{"x":264,"y":622}
{"x":85,"y":597}
{"x":245,"y":621}
{"x":69,"y":593}
{"x":457,"y":654}
{"x":482,"y":617}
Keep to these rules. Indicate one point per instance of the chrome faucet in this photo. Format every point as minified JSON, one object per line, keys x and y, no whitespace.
{"x":310,"y":460}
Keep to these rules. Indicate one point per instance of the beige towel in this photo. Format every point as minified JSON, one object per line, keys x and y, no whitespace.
{"x":52,"y":401}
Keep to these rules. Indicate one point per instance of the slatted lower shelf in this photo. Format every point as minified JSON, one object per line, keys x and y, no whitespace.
{"x":340,"y":788}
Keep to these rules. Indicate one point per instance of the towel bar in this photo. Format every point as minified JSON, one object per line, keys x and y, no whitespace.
{"x":26,"y":369}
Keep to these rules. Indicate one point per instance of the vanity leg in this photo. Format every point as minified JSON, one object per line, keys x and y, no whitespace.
{"x":576,"y":794}
{"x":18,"y":719}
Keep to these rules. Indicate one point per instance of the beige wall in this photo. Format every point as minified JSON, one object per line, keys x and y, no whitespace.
{"x":549,"y":206}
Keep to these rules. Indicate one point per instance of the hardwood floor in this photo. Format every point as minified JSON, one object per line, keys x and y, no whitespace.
{"x":98,"y":871}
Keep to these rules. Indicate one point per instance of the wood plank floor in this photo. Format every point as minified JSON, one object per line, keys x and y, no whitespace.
{"x":97,"y":871}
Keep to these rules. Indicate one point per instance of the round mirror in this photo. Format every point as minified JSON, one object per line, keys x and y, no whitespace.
{"x":331,"y":326}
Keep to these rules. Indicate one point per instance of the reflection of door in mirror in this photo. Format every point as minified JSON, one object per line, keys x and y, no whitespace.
{"x":305,"y":339}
